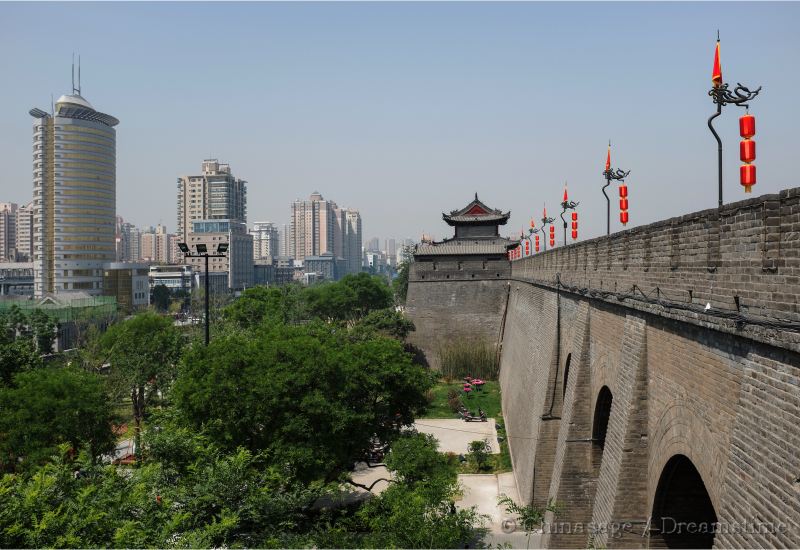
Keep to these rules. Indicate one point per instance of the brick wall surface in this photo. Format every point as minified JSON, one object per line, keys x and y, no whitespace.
{"x":446,"y":311}
{"x":528,"y":347}
{"x":720,"y":387}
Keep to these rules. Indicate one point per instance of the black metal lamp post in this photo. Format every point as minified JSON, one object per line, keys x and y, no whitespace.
{"x":202,"y":252}
{"x":566,"y":205}
{"x":531,"y":231}
{"x":722,"y":96}
{"x":545,"y":220}
{"x":610,"y":174}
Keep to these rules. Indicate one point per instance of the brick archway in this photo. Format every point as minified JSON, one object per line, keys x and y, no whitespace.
{"x":683,"y":515}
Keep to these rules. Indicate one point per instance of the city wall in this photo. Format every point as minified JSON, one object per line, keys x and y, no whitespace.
{"x":654,"y":370}
{"x":692,"y":326}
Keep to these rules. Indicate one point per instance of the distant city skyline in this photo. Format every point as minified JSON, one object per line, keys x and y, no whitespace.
{"x":406,"y":110}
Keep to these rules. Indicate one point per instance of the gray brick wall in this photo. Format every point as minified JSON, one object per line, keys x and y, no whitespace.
{"x":721,"y":388}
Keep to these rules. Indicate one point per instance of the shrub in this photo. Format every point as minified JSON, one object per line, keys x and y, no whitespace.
{"x":468,"y":358}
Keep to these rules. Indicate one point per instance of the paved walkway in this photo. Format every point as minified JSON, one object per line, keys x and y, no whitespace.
{"x":455,"y":435}
{"x":483,"y":492}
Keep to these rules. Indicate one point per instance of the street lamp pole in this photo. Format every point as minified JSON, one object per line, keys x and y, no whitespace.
{"x":721,"y":96}
{"x":610,"y":174}
{"x":545,"y":220}
{"x":202,"y":252}
{"x":566,"y":205}
{"x":208,"y":319}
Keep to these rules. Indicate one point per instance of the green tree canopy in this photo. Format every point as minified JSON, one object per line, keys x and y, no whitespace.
{"x":15,"y":357}
{"x":161,"y":297}
{"x":49,"y":406}
{"x":388,"y":322}
{"x":284,"y":304}
{"x":310,"y":396}
{"x":351,"y":298}
{"x":400,"y":283}
{"x":143,"y":352}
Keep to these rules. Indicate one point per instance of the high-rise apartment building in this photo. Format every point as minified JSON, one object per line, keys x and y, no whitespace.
{"x":25,"y":233}
{"x":8,"y":231}
{"x":160,"y":247}
{"x":74,"y":196}
{"x":313,"y":226}
{"x":129,"y":242}
{"x":265,"y":240}
{"x":214,"y":194}
{"x":238,"y":261}
{"x":284,"y":241}
{"x":320,"y":227}
{"x":351,"y":240}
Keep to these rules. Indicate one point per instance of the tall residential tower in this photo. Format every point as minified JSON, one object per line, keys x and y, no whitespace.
{"x":74,"y":196}
{"x":214,"y":194}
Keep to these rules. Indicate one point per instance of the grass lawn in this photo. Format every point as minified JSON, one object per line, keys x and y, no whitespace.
{"x":487,"y":398}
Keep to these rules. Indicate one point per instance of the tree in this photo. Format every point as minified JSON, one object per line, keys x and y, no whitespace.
{"x":531,"y":517}
{"x":349,"y":299}
{"x":479,"y":452}
{"x":310,"y":396}
{"x":415,"y":458}
{"x":284,"y":304}
{"x":400,"y":283}
{"x":44,"y":330}
{"x":418,"y":511}
{"x":15,"y":357}
{"x":143,"y":352}
{"x":49,"y":406}
{"x":161,"y":297}
{"x":389,"y":322}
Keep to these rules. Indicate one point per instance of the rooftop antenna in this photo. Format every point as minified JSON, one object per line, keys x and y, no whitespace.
{"x":79,"y":74}
{"x":52,"y":106}
{"x":73,"y":72}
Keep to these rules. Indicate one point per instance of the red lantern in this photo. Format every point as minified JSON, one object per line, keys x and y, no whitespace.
{"x":747,"y":174}
{"x":552,"y":235}
{"x":527,"y":247}
{"x":537,"y":243}
{"x":574,"y":234}
{"x":574,"y":216}
{"x":623,"y":203}
{"x":747,"y":150}
{"x":747,"y":126}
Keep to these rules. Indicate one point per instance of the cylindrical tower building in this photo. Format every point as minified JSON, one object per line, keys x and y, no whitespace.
{"x":74,"y":196}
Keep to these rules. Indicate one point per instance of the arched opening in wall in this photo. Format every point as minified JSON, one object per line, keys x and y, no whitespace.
{"x":566,"y":375}
{"x":602,"y":413}
{"x":683,"y":515}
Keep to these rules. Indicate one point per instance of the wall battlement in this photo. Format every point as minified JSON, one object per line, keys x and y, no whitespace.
{"x":743,"y":260}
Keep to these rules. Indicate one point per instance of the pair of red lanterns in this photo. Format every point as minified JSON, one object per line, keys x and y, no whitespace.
{"x":747,"y":151}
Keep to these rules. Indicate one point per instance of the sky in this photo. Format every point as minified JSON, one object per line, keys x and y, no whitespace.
{"x":405,"y":110}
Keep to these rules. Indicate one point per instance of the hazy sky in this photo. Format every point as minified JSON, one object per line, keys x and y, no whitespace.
{"x":404,"y":110}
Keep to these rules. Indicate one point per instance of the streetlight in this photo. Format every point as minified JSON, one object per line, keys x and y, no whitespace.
{"x":567,"y":204}
{"x":533,"y":232}
{"x":202,"y":252}
{"x":611,"y":174}
{"x":545,"y":221}
{"x":721,"y":95}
